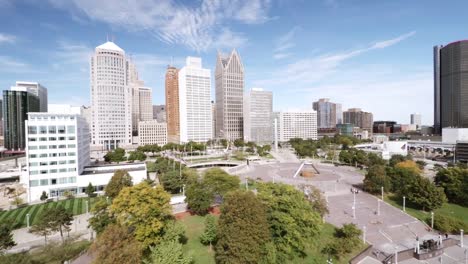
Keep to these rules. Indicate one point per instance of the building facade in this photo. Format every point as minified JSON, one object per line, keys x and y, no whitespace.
{"x":229,"y":80}
{"x":328,"y":114}
{"x":358,"y":118}
{"x":301,"y":124}
{"x":415,"y":119}
{"x":159,"y":113}
{"x":152,"y":132}
{"x":146,"y":104}
{"x":195,"y":102}
{"x":57,"y":153}
{"x":258,"y":116}
{"x":451,"y":85}
{"x":386,"y":127}
{"x":17,"y":103}
{"x":172,"y":104}
{"x":111,"y":97}
{"x":38,"y":90}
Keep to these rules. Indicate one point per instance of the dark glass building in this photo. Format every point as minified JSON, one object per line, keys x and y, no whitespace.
{"x":16,"y":105}
{"x":451,"y":85}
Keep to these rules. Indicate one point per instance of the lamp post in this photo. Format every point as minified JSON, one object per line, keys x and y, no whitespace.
{"x":461,"y":237}
{"x":404,"y":204}
{"x":364,"y":234}
{"x":27,"y":220}
{"x":396,"y":255}
{"x":378,"y":207}
{"x":381,"y":190}
{"x":432,"y":220}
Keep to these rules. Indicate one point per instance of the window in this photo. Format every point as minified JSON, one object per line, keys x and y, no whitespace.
{"x":33,"y":172}
{"x":34,"y":183}
{"x":70,"y":129}
{"x":53,"y":171}
{"x":43,"y":155}
{"x":42,"y":147}
{"x":43,"y":163}
{"x":61,"y":129}
{"x":43,"y":171}
{"x":32,"y":130}
{"x":71,"y":154}
{"x":71,"y":145}
{"x":52,"y":146}
{"x":32,"y":156}
{"x":44,"y":182}
{"x":52,"y":129}
{"x":32,"y":147}
{"x":53,"y":163}
{"x":53,"y":155}
{"x":62,"y":154}
{"x":62,"y":146}
{"x":42,"y":130}
{"x":52,"y":138}
{"x":72,"y":179}
{"x":53,"y":181}
{"x":61,"y":138}
{"x":62,"y":162}
{"x":71,"y":162}
{"x":32,"y":139}
{"x":71,"y":138}
{"x":63,"y":170}
{"x":71,"y":169}
{"x":43,"y":139}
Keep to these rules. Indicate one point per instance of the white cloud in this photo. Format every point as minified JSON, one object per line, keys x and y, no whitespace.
{"x":71,"y":53}
{"x":11,"y":65}
{"x":278,"y":56}
{"x":198,"y":27}
{"x":390,"y":42}
{"x":284,"y":43}
{"x":5,"y":38}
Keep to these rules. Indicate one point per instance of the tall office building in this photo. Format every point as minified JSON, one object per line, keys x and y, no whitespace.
{"x":328,"y":114}
{"x":451,"y":86}
{"x":298,"y":124}
{"x":152,"y":132}
{"x":258,"y":116}
{"x":172,"y":105}
{"x":38,"y":90}
{"x":159,"y":113}
{"x":146,"y":104}
{"x":17,"y":103}
{"x":195,"y":102}
{"x":229,"y":80}
{"x":415,"y":119}
{"x":359,"y":118}
{"x":111,"y":97}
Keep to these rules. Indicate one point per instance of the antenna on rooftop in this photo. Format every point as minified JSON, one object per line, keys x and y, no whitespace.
{"x":107,"y":37}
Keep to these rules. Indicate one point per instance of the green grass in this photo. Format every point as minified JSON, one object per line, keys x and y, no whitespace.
{"x":448,"y":209}
{"x":76,"y":206}
{"x":194,"y":226}
{"x":202,"y":254}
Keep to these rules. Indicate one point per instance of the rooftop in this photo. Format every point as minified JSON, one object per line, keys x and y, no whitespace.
{"x":109,"y":45}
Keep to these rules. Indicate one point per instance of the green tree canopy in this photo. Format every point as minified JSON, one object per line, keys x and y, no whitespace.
{"x":454,"y":180}
{"x":209,"y":235}
{"x":116,"y":155}
{"x":376,"y":178}
{"x":101,"y":217}
{"x":198,"y":198}
{"x":6,"y":237}
{"x":220,"y":182}
{"x":424,"y":194}
{"x":119,"y":180}
{"x":242,"y":229}
{"x":168,"y":252}
{"x":137,"y":155}
{"x":90,"y":189}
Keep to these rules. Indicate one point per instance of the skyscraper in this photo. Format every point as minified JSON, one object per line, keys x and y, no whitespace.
{"x":451,"y":85}
{"x":195,"y":102}
{"x":359,"y":118}
{"x":328,"y":114}
{"x":146,"y":104}
{"x":38,"y":90}
{"x":229,"y":80}
{"x":415,"y":119}
{"x":258,"y":116}
{"x":111,"y":97}
{"x":298,"y":124}
{"x":172,"y":105}
{"x":17,"y":103}
{"x":159,"y":113}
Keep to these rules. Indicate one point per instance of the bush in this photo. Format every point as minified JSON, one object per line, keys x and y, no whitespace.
{"x":447,"y":224}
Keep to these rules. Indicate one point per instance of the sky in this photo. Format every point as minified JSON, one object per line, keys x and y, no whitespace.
{"x":374,"y":55}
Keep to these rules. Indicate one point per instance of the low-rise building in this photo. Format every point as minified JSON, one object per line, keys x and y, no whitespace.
{"x":152,"y":132}
{"x":297,"y":124}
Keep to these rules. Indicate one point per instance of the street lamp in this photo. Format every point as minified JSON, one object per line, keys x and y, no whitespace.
{"x":404,"y":204}
{"x":432,"y":220}
{"x":382,"y":191}
{"x":378,"y":207}
{"x":27,"y":220}
{"x":364,"y":234}
{"x":461,"y":238}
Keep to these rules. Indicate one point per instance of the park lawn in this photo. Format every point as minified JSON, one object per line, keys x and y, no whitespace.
{"x":194,"y":227}
{"x":76,"y":206}
{"x":448,"y":209}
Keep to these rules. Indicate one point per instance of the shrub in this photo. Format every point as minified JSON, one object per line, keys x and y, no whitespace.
{"x":447,"y":224}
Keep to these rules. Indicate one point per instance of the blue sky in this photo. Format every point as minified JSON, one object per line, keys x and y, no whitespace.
{"x":376,"y":55}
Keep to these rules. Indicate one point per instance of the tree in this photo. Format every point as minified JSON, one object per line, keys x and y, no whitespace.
{"x":409,"y":165}
{"x":119,"y":180}
{"x":101,"y":217}
{"x":168,"y":252}
{"x":238,"y":143}
{"x":375,"y":179}
{"x":209,"y":235}
{"x":455,"y":183}
{"x":224,"y":142}
{"x":198,"y":198}
{"x":90,"y":190}
{"x":292,"y":220}
{"x":242,"y":229}
{"x":6,"y":237}
{"x":116,"y":245}
{"x":374,"y":159}
{"x":345,"y":241}
{"x":44,"y":196}
{"x":315,"y":198}
{"x":220,"y":182}
{"x":42,"y":227}
{"x":116,"y":155}
{"x":396,"y":159}
{"x":137,"y":155}
{"x":423,"y":193}
{"x":51,"y":220}
{"x":144,"y":208}
{"x":172,"y":181}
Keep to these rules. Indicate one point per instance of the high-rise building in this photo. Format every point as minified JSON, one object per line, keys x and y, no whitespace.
{"x":172,"y":105}
{"x":451,"y":86}
{"x":152,"y":132}
{"x":299,"y":124}
{"x":195,"y":102}
{"x":258,"y":116}
{"x":328,"y":114}
{"x":159,"y":113}
{"x":359,"y":118}
{"x":17,"y":103}
{"x":111,"y":97}
{"x":229,"y":80}
{"x":146,"y":104}
{"x":415,"y":119}
{"x":38,"y":90}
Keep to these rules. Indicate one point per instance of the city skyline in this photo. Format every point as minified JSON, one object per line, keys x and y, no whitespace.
{"x":340,"y":61}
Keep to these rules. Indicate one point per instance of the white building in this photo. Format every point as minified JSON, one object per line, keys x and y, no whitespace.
{"x":38,"y":90}
{"x":152,"y":132}
{"x":452,"y":135}
{"x":258,"y":116}
{"x":57,"y":150}
{"x":195,"y":112}
{"x":229,"y":80}
{"x":415,"y":119}
{"x":297,"y":124}
{"x":111,"y":97}
{"x":145,"y":103}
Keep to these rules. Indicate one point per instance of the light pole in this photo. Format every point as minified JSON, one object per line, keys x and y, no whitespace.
{"x":461,"y":237}
{"x":432,"y":220}
{"x":378,"y":207}
{"x":87,"y":207}
{"x":466,"y":256}
{"x":27,"y":220}
{"x":396,"y":255}
{"x":364,"y":234}
{"x":404,"y":204}
{"x":354,"y":205}
{"x":382,"y":190}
